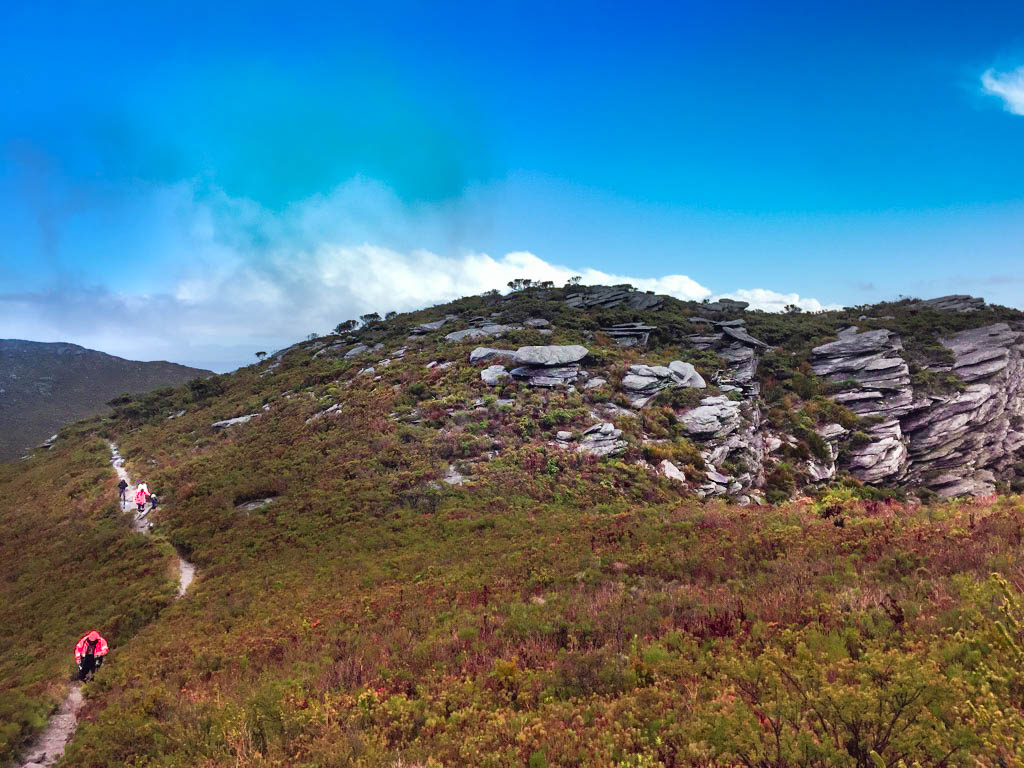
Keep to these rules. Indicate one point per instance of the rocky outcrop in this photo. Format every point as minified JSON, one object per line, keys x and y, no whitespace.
{"x":736,"y":347}
{"x":550,"y":355}
{"x":714,"y":417}
{"x":602,"y":440}
{"x":630,"y":334}
{"x":643,"y":382}
{"x":487,"y":331}
{"x":956,"y":303}
{"x":876,"y":385}
{"x":539,"y":376}
{"x":724,"y":306}
{"x":488,"y":353}
{"x":609,"y":297}
{"x":549,"y":366}
{"x":435,"y":325}
{"x":954,"y":444}
{"x":961,"y":443}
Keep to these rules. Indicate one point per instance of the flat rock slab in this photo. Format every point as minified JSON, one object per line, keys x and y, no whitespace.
{"x":483,"y":332}
{"x":550,"y":355}
{"x":234,"y":422}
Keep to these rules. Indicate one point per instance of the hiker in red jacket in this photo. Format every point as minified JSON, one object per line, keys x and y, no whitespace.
{"x":89,"y":654}
{"x":141,"y":497}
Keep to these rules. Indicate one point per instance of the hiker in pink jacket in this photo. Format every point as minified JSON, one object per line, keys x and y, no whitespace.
{"x":141,"y":497}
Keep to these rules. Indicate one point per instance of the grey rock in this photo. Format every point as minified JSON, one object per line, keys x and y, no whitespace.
{"x":234,"y":422}
{"x":819,"y":472}
{"x":252,"y":506}
{"x":629,"y":334}
{"x":550,"y":355}
{"x":715,"y":416}
{"x":686,"y":375}
{"x":536,"y":322}
{"x":336,"y":408}
{"x":594,"y":383}
{"x":954,"y":303}
{"x":493,"y":375}
{"x":602,"y":440}
{"x":724,"y":306}
{"x":832,"y":431}
{"x":717,"y":477}
{"x":358,"y":349}
{"x":671,"y":471}
{"x":434,"y":325}
{"x":453,"y":476}
{"x":609,"y":297}
{"x":334,"y":350}
{"x":741,"y":336}
{"x":642,"y":381}
{"x":563,"y":435}
{"x":540,"y":376}
{"x":491,"y":330}
{"x":486,"y":353}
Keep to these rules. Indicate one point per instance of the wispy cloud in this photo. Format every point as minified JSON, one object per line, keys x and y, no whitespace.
{"x":1008,"y":86}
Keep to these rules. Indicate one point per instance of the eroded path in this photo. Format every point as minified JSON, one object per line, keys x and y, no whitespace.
{"x":48,"y":748}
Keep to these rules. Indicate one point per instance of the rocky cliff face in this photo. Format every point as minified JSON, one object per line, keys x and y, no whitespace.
{"x":954,"y":444}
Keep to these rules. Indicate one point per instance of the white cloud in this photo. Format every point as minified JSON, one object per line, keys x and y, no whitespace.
{"x":243,"y":279}
{"x":773,"y":301}
{"x":1009,"y":86}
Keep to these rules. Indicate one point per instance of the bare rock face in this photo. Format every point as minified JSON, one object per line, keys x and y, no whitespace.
{"x":954,"y":444}
{"x":959,"y":443}
{"x":877,"y":382}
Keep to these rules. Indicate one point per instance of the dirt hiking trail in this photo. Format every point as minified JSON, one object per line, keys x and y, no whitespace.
{"x":186,"y":570}
{"x":48,"y":747}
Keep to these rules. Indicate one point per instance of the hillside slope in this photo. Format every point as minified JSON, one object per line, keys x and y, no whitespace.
{"x":45,"y":386}
{"x":416,"y":552}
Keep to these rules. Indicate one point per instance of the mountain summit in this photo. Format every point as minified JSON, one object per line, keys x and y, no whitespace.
{"x":559,"y":527}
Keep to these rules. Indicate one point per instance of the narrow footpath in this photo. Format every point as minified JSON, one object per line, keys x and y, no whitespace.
{"x":48,"y":748}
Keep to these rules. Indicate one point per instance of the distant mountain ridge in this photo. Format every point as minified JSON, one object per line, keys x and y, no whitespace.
{"x":44,"y":386}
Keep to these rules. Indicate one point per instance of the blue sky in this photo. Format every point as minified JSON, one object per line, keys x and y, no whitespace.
{"x":197,"y":183}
